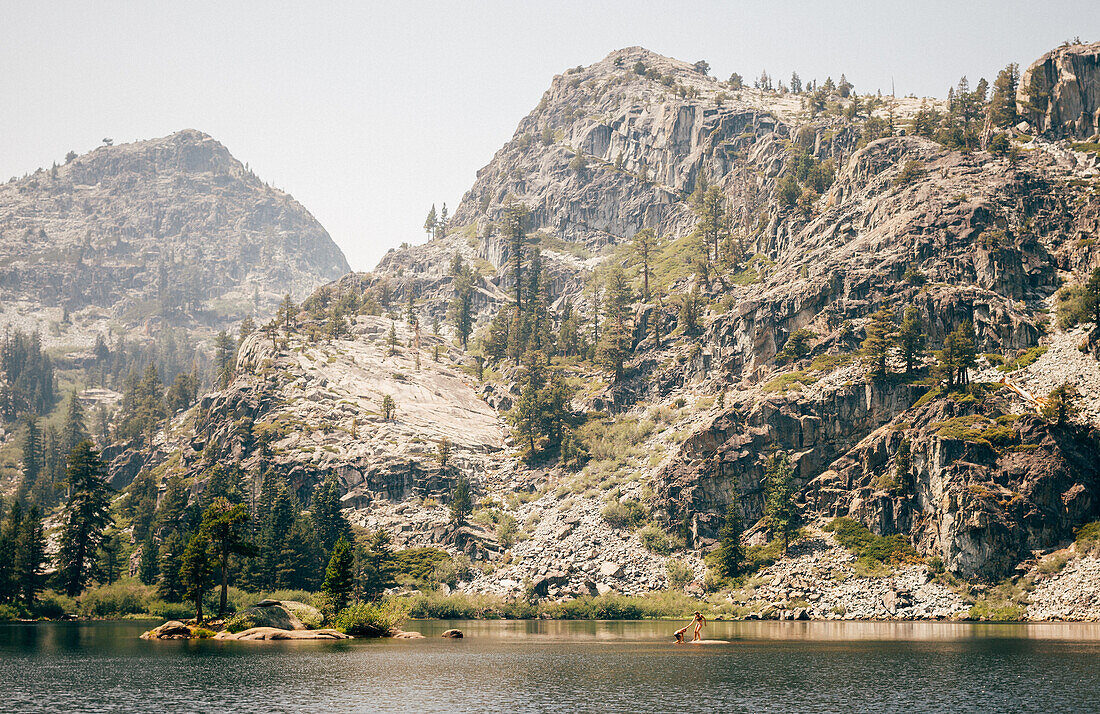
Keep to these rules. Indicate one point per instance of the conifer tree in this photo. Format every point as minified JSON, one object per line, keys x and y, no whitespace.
{"x":462,"y":305}
{"x":9,"y":533}
{"x":512,"y":225}
{"x":461,"y":504}
{"x":644,"y":242}
{"x":85,"y":518}
{"x":225,"y":524}
{"x":911,"y":338}
{"x":731,"y":554}
{"x":1061,"y":404}
{"x":149,"y":564}
{"x":197,"y":570}
{"x":431,"y":221}
{"x":33,"y":459}
{"x":109,"y":566}
{"x":377,"y":566}
{"x":225,"y":352}
{"x":30,"y":557}
{"x":879,"y":339}
{"x":339,"y":580}
{"x":328,"y":522}
{"x":1002,"y":105}
{"x":780,"y":511}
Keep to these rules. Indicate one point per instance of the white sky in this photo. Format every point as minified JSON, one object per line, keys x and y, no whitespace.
{"x":369,"y":112}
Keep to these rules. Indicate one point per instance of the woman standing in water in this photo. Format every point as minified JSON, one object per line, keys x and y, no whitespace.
{"x":698,"y":620}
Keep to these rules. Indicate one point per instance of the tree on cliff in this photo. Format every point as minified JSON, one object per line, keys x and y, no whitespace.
{"x":85,"y":518}
{"x":1002,"y":105}
{"x":958,"y":356}
{"x":911,"y":338}
{"x":644,"y":243}
{"x":1092,"y":296}
{"x":461,"y":504}
{"x":876,"y":347}
{"x":512,"y":226}
{"x":1061,"y":404}
{"x":389,"y":408}
{"x":780,"y":511}
{"x":431,"y":221}
{"x":462,"y":305}
{"x":339,"y":580}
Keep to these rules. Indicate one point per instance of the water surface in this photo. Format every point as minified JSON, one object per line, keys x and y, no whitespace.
{"x":541,"y":666}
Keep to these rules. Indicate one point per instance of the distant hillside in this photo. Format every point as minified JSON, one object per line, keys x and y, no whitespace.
{"x":172,"y":229}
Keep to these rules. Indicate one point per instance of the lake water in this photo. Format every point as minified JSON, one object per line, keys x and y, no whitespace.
{"x":563,"y":667}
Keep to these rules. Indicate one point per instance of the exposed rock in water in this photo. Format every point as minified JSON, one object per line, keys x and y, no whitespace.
{"x":274,"y":633}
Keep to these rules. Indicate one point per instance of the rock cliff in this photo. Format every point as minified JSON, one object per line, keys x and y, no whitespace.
{"x":1060,"y":92}
{"x":975,"y":480}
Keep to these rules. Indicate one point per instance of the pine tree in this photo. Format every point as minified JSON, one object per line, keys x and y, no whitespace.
{"x":731,"y":554}
{"x":30,"y":557}
{"x":324,"y":508}
{"x":74,"y":431}
{"x":911,"y":338}
{"x":339,"y":580}
{"x":287,"y":314}
{"x":300,"y":560}
{"x":109,"y":566}
{"x":9,"y":534}
{"x":33,"y":460}
{"x":460,"y":502}
{"x":377,"y":566}
{"x":1002,"y":105}
{"x":1061,"y":404}
{"x":85,"y":518}
{"x":197,"y":570}
{"x":225,"y":524}
{"x":462,"y":305}
{"x":443,"y":453}
{"x":780,"y":511}
{"x":392,"y":339}
{"x":879,"y":339}
{"x":225,"y":353}
{"x":149,"y":565}
{"x":389,"y":408}
{"x":644,"y":243}
{"x":512,"y":225}
{"x":431,"y":221}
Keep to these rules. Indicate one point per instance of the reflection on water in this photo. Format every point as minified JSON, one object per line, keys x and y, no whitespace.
{"x":563,"y":666}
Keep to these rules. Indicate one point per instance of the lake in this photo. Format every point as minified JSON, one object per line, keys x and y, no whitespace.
{"x":542,"y":666}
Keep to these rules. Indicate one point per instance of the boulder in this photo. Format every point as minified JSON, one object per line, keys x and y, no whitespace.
{"x":274,"y":633}
{"x":282,"y":615}
{"x":611,"y":569}
{"x":603,"y":589}
{"x":541,"y":587}
{"x":453,"y":634}
{"x":171,"y":630}
{"x":403,"y":635}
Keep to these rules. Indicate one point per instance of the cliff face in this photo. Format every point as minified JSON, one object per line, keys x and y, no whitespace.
{"x":173,"y":229}
{"x":1067,"y":100}
{"x":981,"y":481}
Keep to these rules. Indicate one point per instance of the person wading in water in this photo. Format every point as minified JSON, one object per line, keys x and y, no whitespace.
{"x":698,"y":620}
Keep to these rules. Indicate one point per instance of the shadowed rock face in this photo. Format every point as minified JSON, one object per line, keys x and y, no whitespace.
{"x":1069,"y":81}
{"x":172,"y":228}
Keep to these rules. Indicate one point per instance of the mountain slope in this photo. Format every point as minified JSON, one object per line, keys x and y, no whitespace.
{"x":831,"y":211}
{"x":171,"y":229}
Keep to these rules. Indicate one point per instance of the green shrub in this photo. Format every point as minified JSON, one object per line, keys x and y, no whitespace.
{"x":239,"y":623}
{"x":465,"y":606}
{"x":679,"y":574}
{"x":984,"y":610}
{"x":655,"y":540}
{"x":1053,"y":563}
{"x":128,"y":597}
{"x":1088,"y":538}
{"x":1027,"y":358}
{"x":418,"y":564}
{"x":866,"y":546}
{"x":1071,"y":306}
{"x":365,"y":619}
{"x":52,"y":605}
{"x":9,"y":613}
{"x":624,"y":514}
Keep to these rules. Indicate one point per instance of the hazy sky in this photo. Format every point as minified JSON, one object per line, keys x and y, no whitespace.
{"x":369,"y":112}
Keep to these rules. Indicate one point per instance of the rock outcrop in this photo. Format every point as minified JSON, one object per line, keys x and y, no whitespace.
{"x":1060,"y":92}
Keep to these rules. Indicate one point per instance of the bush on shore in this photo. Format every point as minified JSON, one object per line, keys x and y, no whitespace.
{"x":368,"y":619}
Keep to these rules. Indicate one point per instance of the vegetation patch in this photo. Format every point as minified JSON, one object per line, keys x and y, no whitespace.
{"x":1088,"y":538}
{"x":976,"y":428}
{"x":1024,"y":360}
{"x":870,"y":548}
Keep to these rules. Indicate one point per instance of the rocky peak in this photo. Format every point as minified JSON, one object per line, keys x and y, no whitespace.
{"x":173,"y":229}
{"x":1066,"y":81}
